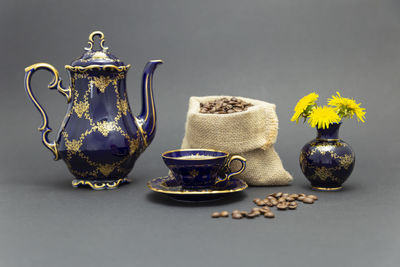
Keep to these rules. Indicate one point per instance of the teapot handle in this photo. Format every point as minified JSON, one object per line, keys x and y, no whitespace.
{"x":56,"y":83}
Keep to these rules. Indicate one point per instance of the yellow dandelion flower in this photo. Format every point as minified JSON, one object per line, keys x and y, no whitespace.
{"x":304,"y":106}
{"x":346,"y":107}
{"x":321,"y":117}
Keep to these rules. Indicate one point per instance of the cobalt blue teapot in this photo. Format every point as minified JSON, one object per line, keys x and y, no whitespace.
{"x":99,"y":139}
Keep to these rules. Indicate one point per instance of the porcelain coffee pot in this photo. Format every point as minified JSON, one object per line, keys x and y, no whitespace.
{"x":99,"y":139}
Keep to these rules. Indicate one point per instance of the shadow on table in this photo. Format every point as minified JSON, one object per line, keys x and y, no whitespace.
{"x":168,"y":201}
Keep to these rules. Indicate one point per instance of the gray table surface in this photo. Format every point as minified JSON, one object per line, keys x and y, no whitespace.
{"x":275,"y":51}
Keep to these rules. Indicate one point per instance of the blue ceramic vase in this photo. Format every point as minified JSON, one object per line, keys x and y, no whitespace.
{"x":327,"y":161}
{"x":99,"y":139}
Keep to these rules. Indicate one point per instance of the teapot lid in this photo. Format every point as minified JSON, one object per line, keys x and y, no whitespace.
{"x":97,"y":58}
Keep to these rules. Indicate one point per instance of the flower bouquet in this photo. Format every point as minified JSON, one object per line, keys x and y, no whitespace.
{"x":327,"y":161}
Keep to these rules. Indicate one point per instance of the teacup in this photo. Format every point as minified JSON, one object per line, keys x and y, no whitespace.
{"x":201,"y":168}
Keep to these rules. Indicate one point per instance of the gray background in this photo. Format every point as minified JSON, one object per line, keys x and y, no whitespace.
{"x":276,"y":50}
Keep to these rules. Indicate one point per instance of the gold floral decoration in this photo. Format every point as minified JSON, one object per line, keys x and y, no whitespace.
{"x":194,"y":173}
{"x":346,"y":161}
{"x":104,"y":127}
{"x":99,"y":55}
{"x":73,"y":145}
{"x":106,"y":169}
{"x":80,"y":108}
{"x":323,"y":173}
{"x":133,"y":146}
{"x":123,"y":106}
{"x":102,"y":82}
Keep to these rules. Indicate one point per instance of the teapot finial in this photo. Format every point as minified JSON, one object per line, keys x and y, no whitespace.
{"x":91,"y":41}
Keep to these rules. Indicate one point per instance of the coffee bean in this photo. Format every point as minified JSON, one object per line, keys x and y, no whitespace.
{"x":252,"y":215}
{"x":270,"y":204}
{"x":314,"y":197}
{"x":265,"y":209}
{"x":301,"y":198}
{"x":243,"y":213}
{"x":224,"y":213}
{"x":282,"y":206}
{"x":308,"y":200}
{"x":224,"y":106}
{"x":290,"y":199}
{"x":285,"y":195}
{"x":274,"y":202}
{"x":281,"y":200}
{"x":295,"y":196}
{"x":278,"y":195}
{"x":215,"y":215}
{"x":269,"y":215}
{"x":261,"y":203}
{"x":256,"y":200}
{"x":302,"y":195}
{"x":257,"y":212}
{"x":237,"y":216}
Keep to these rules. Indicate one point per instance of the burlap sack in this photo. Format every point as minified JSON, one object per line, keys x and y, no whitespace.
{"x":250,"y":133}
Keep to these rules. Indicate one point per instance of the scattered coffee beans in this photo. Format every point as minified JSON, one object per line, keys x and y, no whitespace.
{"x":224,"y":106}
{"x":282,"y":201}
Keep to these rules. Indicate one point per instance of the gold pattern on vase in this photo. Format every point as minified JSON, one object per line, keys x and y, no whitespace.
{"x":73,"y":145}
{"x":106,"y":169}
{"x":323,"y":173}
{"x":194,"y":173}
{"x":133,"y":145}
{"x":345,"y":161}
{"x":99,"y":55}
{"x":80,"y":75}
{"x":123,"y":106}
{"x":80,"y":108}
{"x":102,"y":82}
{"x":104,"y":127}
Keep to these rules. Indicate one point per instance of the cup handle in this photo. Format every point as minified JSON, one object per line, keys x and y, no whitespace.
{"x":228,"y":176}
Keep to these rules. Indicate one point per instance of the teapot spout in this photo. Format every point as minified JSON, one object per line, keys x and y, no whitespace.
{"x":147,"y":118}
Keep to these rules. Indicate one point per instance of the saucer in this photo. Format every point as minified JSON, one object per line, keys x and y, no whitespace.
{"x":167,"y":185}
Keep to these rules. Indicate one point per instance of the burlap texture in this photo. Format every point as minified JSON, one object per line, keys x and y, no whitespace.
{"x":250,"y":133}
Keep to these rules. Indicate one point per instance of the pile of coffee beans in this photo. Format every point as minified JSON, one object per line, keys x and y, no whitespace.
{"x":280,"y":200}
{"x":224,"y":106}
